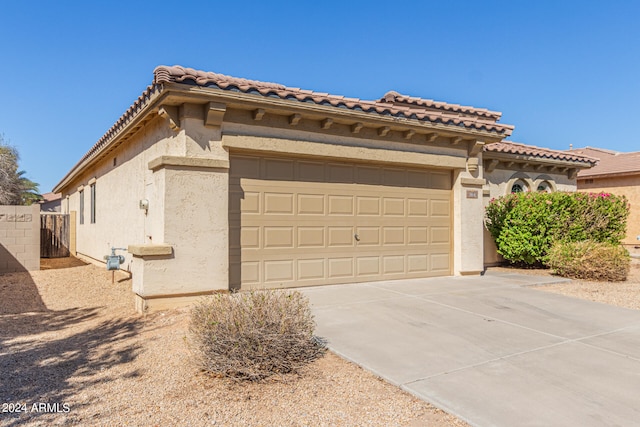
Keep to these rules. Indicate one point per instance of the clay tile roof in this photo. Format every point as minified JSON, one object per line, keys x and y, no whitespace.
{"x":392,"y":104}
{"x":395,"y":97}
{"x":508,"y":147}
{"x":51,"y":197}
{"x":611,"y":162}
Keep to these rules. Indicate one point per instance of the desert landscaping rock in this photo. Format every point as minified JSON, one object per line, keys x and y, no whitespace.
{"x":71,"y":339}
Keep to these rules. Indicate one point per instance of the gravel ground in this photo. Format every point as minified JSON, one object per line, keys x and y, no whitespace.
{"x":622,"y":294}
{"x":70,"y":339}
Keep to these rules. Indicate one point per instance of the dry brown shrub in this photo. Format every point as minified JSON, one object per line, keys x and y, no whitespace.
{"x":590,"y":261}
{"x":252,"y":335}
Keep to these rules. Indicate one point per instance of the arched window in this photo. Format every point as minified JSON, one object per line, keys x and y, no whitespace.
{"x":519,"y":187}
{"x":545,"y":187}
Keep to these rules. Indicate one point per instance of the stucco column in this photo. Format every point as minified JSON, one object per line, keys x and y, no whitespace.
{"x":468,"y":217}
{"x":188,"y":256}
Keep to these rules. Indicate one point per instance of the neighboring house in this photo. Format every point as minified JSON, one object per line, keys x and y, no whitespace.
{"x":51,"y":202}
{"x":215,"y":182}
{"x":511,"y":167}
{"x":617,"y":173}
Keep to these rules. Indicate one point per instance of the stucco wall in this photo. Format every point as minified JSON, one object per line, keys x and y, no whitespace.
{"x":119,"y":188}
{"x":628,"y":186}
{"x":19,"y":238}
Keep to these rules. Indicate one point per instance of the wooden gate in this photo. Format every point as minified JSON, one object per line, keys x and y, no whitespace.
{"x":54,"y":235}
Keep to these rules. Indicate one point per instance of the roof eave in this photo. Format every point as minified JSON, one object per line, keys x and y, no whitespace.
{"x":124,"y":126}
{"x":519,"y":158}
{"x":172,"y":93}
{"x":591,"y":175}
{"x":247,"y":100}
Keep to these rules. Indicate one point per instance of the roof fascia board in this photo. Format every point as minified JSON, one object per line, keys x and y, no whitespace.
{"x":589,"y":175}
{"x":518,"y":158}
{"x":177,"y":93}
{"x":239,"y":99}
{"x":147,"y":109}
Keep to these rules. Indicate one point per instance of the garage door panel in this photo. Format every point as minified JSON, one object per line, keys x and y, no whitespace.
{"x":394,"y":177}
{"x":418,"y":263}
{"x":340,"y":236}
{"x":249,"y":237}
{"x":393,"y":264}
{"x":311,"y":171}
{"x":393,"y":206}
{"x":302,"y":230}
{"x":311,"y":204}
{"x":340,"y":173}
{"x":418,"y":235}
{"x":368,"y":266}
{"x":440,"y":235}
{"x":340,"y":205}
{"x":249,"y":202}
{"x":440,"y":262}
{"x":340,"y":267}
{"x":440,"y":180}
{"x":418,"y":207}
{"x":250,"y":272}
{"x":440,"y":208}
{"x":310,"y":269}
{"x":279,"y":169}
{"x":278,"y":271}
{"x":367,"y":236}
{"x":278,"y":237}
{"x":368,"y":206}
{"x":311,"y":237}
{"x":393,"y":235}
{"x":278,"y":203}
{"x":246,"y":167}
{"x":368,"y":175}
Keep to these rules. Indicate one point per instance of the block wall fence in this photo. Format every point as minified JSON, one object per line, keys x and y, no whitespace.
{"x":19,"y":238}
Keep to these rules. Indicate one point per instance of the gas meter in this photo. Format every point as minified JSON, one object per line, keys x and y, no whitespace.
{"x":114,"y":261}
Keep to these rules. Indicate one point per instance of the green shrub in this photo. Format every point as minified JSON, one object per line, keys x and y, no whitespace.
{"x":252,"y":335}
{"x":526,"y":225}
{"x":590,"y":260}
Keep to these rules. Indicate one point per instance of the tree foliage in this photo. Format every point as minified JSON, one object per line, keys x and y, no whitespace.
{"x":15,"y":187}
{"x":526,"y":225}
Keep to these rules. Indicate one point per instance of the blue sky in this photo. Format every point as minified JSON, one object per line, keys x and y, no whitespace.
{"x":563,"y":72}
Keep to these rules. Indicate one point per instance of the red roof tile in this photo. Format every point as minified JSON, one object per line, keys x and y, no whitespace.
{"x":509,"y":147}
{"x":396,"y":98}
{"x":392,"y":104}
{"x":611,"y":162}
{"x":51,"y":197}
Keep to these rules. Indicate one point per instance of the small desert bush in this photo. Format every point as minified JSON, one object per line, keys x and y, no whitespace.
{"x":590,"y":260}
{"x":252,"y":335}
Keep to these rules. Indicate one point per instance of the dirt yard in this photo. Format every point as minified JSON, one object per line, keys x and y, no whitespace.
{"x":73,"y":352}
{"x":70,"y":339}
{"x":622,"y":294}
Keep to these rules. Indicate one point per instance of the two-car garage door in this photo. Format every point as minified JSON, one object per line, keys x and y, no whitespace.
{"x":298,"y":222}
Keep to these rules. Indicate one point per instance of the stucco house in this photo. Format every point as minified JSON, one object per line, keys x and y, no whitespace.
{"x":214,"y":183}
{"x":51,"y":202}
{"x":511,"y":167}
{"x":617,"y":173}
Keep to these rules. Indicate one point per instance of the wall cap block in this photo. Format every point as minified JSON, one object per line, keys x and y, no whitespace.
{"x":189,"y":162}
{"x":150,"y":250}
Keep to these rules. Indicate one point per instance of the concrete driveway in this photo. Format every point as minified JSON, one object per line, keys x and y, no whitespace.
{"x":489,"y":349}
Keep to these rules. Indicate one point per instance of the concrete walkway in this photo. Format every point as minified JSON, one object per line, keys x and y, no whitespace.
{"x":489,"y":349}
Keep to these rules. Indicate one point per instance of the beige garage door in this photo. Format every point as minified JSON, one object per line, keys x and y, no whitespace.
{"x":297,"y":222}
